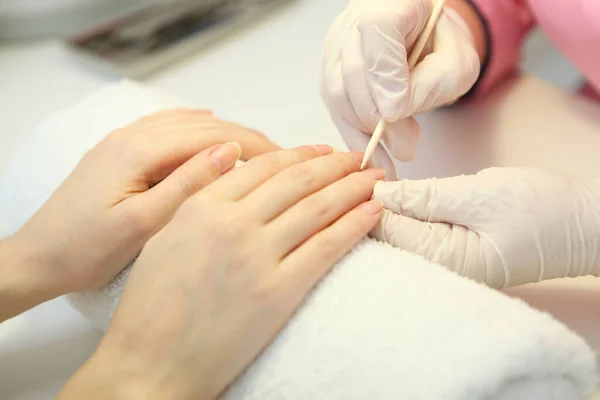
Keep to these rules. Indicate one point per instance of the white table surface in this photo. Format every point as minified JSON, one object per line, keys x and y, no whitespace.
{"x":266,"y":77}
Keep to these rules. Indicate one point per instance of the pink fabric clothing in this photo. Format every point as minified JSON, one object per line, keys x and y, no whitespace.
{"x":572,"y":25}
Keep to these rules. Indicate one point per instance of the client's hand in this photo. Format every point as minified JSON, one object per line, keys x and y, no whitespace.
{"x":211,"y":289}
{"x":121,"y":193}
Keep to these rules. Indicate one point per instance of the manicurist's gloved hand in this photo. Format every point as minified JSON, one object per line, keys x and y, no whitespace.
{"x":503,"y":226}
{"x":365,"y":69}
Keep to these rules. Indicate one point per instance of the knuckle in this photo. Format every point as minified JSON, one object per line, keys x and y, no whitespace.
{"x":304,"y":176}
{"x":346,"y":163}
{"x":138,"y":223}
{"x":191,"y":182}
{"x":280,"y":160}
{"x":330,"y":247}
{"x":377,"y":17}
{"x":323,"y":206}
{"x":267,"y":160}
{"x":228,"y":227}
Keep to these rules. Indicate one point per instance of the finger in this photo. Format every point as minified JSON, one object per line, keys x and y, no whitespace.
{"x":168,"y":151}
{"x":336,"y":97}
{"x":402,"y":137}
{"x":454,"y":246}
{"x":445,"y":74}
{"x":447,"y":200}
{"x":241,"y":181}
{"x":319,"y":210}
{"x":358,"y":141}
{"x":309,"y":263}
{"x":162,"y":201}
{"x":153,"y":123}
{"x":201,"y":132}
{"x":172,"y":114}
{"x":297,"y":182}
{"x":355,"y":82}
{"x":386,"y":35}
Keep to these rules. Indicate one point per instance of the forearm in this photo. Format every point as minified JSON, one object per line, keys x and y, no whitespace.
{"x":21,"y":285}
{"x":465,"y":9}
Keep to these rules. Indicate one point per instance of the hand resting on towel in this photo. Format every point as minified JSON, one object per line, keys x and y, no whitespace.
{"x":120,"y":194}
{"x":247,"y":249}
{"x":247,"y":246}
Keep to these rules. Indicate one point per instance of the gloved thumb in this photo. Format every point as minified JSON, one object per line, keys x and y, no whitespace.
{"x":452,"y":246}
{"x":429,"y":200}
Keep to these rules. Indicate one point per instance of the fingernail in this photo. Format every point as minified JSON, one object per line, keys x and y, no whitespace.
{"x":372,"y":206}
{"x":225,"y":156}
{"x":357,"y":156}
{"x":376,"y":173}
{"x":323,"y":149}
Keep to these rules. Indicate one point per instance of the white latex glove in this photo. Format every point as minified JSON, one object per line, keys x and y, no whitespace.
{"x":365,"y":72}
{"x":503,"y":226}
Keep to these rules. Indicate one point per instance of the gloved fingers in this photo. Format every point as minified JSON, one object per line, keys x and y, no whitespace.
{"x":336,"y":97}
{"x":355,"y":82}
{"x":453,"y":246}
{"x":448,"y":72}
{"x":402,"y":137}
{"x":449,"y":200}
{"x":358,"y":141}
{"x":387,"y":32}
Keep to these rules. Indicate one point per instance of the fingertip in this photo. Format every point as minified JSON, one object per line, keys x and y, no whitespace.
{"x":224,"y":156}
{"x":371,"y":207}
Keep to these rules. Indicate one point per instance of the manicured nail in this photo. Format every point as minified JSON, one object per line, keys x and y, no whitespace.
{"x":372,"y":206}
{"x":225,"y":156}
{"x":323,"y":149}
{"x":376,"y":173}
{"x":357,"y":156}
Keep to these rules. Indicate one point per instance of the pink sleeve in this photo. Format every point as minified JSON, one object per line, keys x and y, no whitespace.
{"x":507,"y":23}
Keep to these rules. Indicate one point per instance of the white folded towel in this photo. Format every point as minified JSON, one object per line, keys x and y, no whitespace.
{"x":384,"y":324}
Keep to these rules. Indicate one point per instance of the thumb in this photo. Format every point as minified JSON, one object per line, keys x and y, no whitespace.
{"x":162,"y":201}
{"x":453,"y":246}
{"x":445,"y":200}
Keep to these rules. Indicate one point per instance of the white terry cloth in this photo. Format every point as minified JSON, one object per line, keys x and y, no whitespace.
{"x":384,"y":324}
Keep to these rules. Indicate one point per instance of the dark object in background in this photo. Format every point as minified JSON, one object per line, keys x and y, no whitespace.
{"x":160,"y":34}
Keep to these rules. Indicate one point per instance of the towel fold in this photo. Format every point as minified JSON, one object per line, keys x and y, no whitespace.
{"x":384,"y":324}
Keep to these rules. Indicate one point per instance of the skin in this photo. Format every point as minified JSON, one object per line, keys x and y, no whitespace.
{"x":247,"y":249}
{"x":122,"y":192}
{"x":226,"y":255}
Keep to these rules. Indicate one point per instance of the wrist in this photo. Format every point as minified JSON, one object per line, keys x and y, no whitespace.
{"x":118,"y":373}
{"x":475,"y":24}
{"x":102,"y":377}
{"x":22,"y":285}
